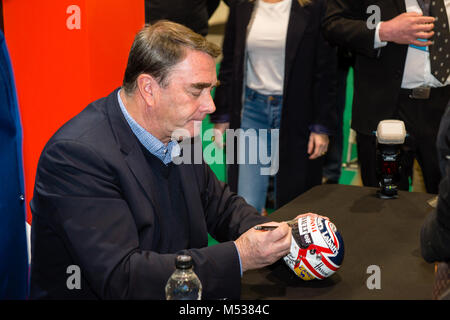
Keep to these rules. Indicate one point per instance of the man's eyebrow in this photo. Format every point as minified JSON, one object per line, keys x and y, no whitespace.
{"x":203,"y":85}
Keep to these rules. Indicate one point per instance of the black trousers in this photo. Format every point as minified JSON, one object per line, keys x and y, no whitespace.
{"x":421,"y":118}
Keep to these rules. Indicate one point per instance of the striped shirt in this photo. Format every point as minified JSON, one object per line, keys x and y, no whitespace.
{"x":150,"y":142}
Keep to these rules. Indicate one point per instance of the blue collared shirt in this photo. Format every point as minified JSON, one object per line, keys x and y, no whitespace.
{"x":153,"y":145}
{"x":150,"y":142}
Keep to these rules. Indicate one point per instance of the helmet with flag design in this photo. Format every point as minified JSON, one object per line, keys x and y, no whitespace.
{"x":317,"y":248}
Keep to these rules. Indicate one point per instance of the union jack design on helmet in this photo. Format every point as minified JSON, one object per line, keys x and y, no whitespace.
{"x":317,"y":249}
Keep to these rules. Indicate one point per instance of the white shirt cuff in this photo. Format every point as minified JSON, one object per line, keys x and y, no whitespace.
{"x":378,"y":43}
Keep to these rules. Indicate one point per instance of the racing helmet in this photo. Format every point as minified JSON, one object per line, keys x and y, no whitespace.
{"x":317,"y":248}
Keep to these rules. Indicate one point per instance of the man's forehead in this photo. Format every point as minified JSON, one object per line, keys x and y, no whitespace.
{"x":195,"y":60}
{"x":198,"y":69}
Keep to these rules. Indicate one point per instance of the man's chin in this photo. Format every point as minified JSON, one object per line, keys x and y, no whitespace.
{"x":193,"y":130}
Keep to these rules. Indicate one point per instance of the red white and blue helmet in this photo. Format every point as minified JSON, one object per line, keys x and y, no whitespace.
{"x":317,"y":248}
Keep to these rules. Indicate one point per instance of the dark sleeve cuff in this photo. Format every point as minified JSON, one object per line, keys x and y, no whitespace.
{"x":219,"y":118}
{"x":318,"y":128}
{"x":218,"y":268}
{"x":434,"y":239}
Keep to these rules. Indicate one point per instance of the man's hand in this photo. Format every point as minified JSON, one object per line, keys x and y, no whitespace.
{"x":406,"y":28}
{"x":317,"y":145}
{"x":258,"y":249}
{"x":219,"y":130}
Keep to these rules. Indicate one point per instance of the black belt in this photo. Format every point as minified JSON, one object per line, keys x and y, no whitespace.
{"x":422,"y":93}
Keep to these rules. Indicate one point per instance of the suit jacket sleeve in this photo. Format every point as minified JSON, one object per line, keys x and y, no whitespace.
{"x":325,"y":82}
{"x":345,"y":25}
{"x":227,"y":214}
{"x":82,"y":197}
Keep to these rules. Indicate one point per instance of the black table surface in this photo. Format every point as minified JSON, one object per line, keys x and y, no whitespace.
{"x":384,"y":233}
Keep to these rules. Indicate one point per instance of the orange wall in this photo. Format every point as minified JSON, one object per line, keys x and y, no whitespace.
{"x":58,"y":71}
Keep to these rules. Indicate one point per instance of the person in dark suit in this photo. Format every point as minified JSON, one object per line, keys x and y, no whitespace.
{"x":333,"y":159}
{"x":1,"y":16}
{"x":400,"y":73}
{"x":435,"y":233}
{"x":13,"y":243}
{"x":110,"y":200}
{"x":277,"y":73}
{"x":193,"y":14}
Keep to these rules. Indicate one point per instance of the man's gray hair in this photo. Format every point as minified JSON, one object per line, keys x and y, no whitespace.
{"x":159,"y":47}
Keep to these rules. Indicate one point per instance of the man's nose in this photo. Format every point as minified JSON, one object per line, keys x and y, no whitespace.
{"x":208,"y":105}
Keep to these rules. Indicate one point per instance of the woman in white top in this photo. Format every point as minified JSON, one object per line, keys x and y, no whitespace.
{"x":277,"y":81}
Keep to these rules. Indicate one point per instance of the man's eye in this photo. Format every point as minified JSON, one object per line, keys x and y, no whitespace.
{"x":196,"y":93}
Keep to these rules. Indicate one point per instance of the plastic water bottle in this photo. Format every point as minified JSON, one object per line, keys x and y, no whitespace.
{"x":183,"y":284}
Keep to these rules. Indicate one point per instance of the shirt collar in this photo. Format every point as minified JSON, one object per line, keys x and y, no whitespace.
{"x":150,"y":142}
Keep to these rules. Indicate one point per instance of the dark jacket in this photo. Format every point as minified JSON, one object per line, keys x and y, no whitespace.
{"x":193,"y":14}
{"x":13,"y":243}
{"x":308,"y":94}
{"x":435,"y":234}
{"x":96,"y":206}
{"x":378,"y":73}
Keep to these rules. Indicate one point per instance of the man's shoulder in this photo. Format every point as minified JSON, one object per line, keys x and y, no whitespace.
{"x":88,"y":135}
{"x":91,"y":125}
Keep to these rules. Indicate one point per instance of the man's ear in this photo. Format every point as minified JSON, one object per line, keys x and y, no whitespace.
{"x":147,"y":86}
